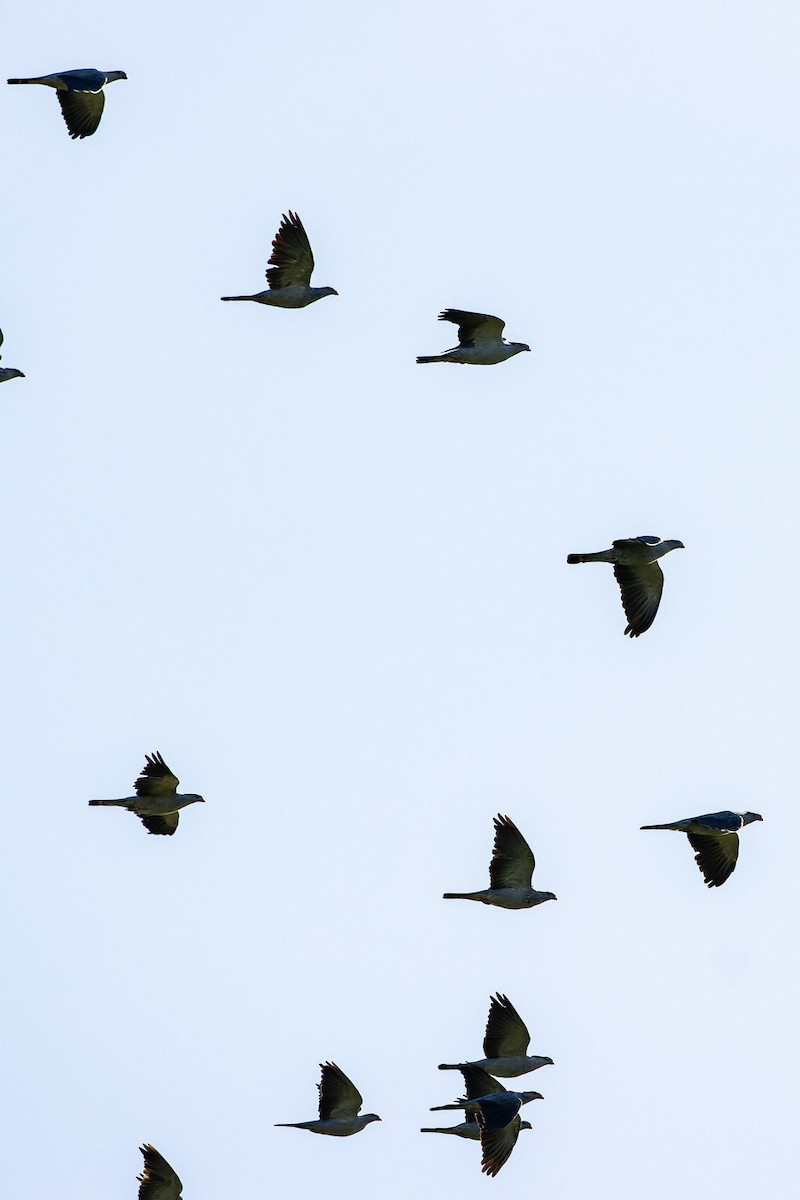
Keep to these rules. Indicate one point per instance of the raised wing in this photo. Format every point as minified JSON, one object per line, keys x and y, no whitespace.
{"x":512,"y":858}
{"x":291,"y":261}
{"x":81,"y":111}
{"x":166,"y":824}
{"x":506,"y":1033}
{"x":716,"y":856}
{"x":474,"y":328}
{"x":156,"y":779}
{"x":338,"y":1096}
{"x":158,"y":1181}
{"x":641,"y":588}
{"x":478,"y":1082}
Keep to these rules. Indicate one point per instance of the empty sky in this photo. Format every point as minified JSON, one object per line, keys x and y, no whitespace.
{"x":330,"y":586}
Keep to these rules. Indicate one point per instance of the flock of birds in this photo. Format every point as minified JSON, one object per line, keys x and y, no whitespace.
{"x":490,"y":1111}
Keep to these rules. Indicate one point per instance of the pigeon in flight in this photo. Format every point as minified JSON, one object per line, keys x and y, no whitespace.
{"x":7,"y":373}
{"x":466,"y":1129}
{"x":505,"y":1044}
{"x":510,"y":871}
{"x":289,"y":269}
{"x":499,"y":1124}
{"x":158,"y":1181}
{"x":156,"y":802}
{"x":339,"y":1105}
{"x":715,"y":838}
{"x":478,"y":1083}
{"x":480,"y":340}
{"x":80,"y":94}
{"x":639,"y":576}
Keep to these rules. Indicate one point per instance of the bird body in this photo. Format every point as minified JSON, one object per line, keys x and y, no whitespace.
{"x":339,"y":1106}
{"x":480,"y":340}
{"x":466,"y":1129}
{"x":289,"y":269}
{"x":640,"y":578}
{"x":506,"y":1068}
{"x":510,"y":872}
{"x":156,"y":803}
{"x":80,"y":94}
{"x":714,"y":836}
{"x":158,"y":1180}
{"x":505,"y":1045}
{"x":333,"y":1127}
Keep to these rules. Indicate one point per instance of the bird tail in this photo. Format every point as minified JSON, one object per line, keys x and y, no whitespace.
{"x":289,"y":1125}
{"x":656,"y":826}
{"x":450,"y":1067}
{"x":579,"y":558}
{"x":237,"y":297}
{"x":447,"y":1108}
{"x":429,"y":1130}
{"x":460,"y":896}
{"x":426,"y":358}
{"x":108,"y":803}
{"x":22,"y":81}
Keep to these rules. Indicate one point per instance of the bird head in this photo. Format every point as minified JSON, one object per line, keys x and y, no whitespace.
{"x":368,"y":1117}
{"x":329,"y":291}
{"x":748,"y":817}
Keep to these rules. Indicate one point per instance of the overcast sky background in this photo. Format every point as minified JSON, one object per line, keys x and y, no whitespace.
{"x":330,"y":586}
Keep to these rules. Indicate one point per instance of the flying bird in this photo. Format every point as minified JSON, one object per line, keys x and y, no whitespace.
{"x":7,"y":373}
{"x":468,"y":1128}
{"x":639,"y":576}
{"x":715,"y":838}
{"x":156,"y":803}
{"x":480,"y":340}
{"x":510,"y":871}
{"x":478,"y":1084}
{"x":80,"y":94}
{"x":339,"y":1105}
{"x":289,"y":269}
{"x":158,"y":1181}
{"x":505,"y":1044}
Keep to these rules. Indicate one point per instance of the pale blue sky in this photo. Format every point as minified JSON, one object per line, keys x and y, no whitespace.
{"x":330,"y":586}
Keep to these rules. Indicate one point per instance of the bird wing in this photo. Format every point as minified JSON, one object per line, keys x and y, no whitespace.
{"x":641,"y":588}
{"x":478,"y":1082}
{"x":166,"y":824}
{"x":474,"y":328}
{"x":156,"y":779}
{"x":291,"y":261}
{"x":716,"y":855}
{"x":81,"y":111}
{"x":338,"y":1096}
{"x":498,"y":1120}
{"x":158,"y":1181}
{"x":1,"y":337}
{"x":512,"y":858}
{"x":506,"y":1033}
